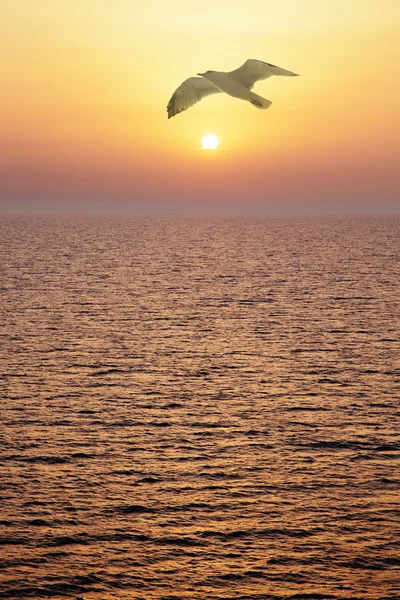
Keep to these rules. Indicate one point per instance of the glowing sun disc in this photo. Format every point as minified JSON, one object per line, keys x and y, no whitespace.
{"x":209,"y":142}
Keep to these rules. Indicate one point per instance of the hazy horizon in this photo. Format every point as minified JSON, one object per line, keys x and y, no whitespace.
{"x":125,"y":208}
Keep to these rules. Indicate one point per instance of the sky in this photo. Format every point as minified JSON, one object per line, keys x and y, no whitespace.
{"x":85,"y":84}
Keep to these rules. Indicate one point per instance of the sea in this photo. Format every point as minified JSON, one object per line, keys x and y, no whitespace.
{"x":200,"y":407}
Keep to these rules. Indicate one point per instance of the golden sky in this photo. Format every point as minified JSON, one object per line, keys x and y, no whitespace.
{"x":85,"y":85}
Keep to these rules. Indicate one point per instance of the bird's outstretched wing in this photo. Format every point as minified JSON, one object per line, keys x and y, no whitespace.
{"x":191,"y":91}
{"x":255,"y":70}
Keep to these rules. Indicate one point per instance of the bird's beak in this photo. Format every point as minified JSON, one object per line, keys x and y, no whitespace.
{"x":200,"y":74}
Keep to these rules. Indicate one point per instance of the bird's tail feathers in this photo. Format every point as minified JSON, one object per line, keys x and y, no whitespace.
{"x":259,"y":101}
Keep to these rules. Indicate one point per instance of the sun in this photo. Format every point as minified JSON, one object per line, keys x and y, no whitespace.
{"x":209,"y":142}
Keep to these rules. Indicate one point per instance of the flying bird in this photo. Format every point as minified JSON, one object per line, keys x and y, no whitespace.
{"x":238,"y":84}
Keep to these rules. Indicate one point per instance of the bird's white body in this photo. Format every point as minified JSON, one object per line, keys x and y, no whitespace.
{"x":227,"y":84}
{"x":237,"y":83}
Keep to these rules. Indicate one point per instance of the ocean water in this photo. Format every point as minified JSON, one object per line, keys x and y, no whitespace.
{"x":200,"y":408}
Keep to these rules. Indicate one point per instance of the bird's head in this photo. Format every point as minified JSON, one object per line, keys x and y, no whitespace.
{"x":206,"y":73}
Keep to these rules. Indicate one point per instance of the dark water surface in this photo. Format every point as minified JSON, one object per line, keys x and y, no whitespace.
{"x":200,"y":408}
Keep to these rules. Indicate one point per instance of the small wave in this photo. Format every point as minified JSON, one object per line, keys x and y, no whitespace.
{"x":47,"y":591}
{"x":12,"y":541}
{"x":39,"y":523}
{"x":316,"y":596}
{"x":68,"y":540}
{"x":125,"y":472}
{"x":261,"y":533}
{"x":46,"y":460}
{"x":230,"y":577}
{"x":131,"y":509}
{"x":178,"y":541}
{"x":334,"y":445}
{"x":148,"y":480}
{"x":363,"y":562}
{"x":108,"y":372}
{"x":306,"y":408}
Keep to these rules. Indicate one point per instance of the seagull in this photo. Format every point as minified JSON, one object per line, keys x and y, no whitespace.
{"x":236,"y":83}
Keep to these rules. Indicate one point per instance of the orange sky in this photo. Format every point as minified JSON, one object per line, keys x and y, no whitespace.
{"x":85,"y":84}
